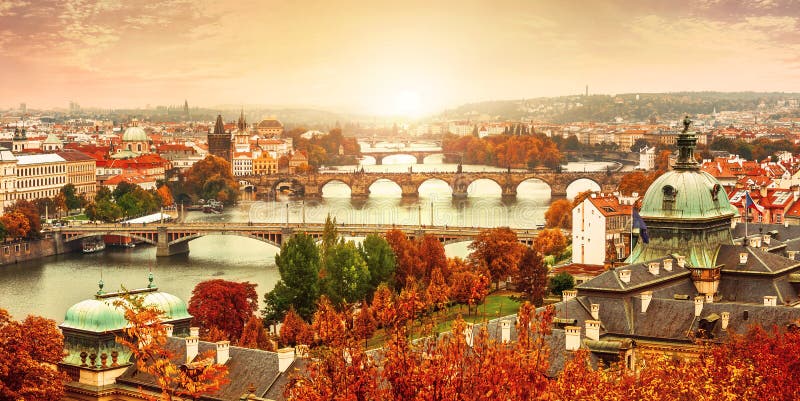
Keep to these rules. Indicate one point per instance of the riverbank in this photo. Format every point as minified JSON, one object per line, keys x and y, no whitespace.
{"x":23,"y":251}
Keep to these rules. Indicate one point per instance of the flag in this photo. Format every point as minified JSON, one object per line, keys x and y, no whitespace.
{"x":639,"y":223}
{"x":750,"y":203}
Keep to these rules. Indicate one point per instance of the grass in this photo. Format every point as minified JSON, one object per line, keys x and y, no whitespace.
{"x":496,"y":304}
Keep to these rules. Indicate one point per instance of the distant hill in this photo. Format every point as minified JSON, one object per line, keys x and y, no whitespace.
{"x":565,"y":109}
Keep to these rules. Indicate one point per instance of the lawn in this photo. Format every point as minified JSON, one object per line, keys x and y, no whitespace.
{"x":497,"y":304}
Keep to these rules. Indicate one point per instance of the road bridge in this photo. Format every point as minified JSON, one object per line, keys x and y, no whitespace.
{"x":173,"y":238}
{"x":311,"y":184}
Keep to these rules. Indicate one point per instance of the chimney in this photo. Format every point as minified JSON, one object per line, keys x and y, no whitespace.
{"x":765,"y":238}
{"x":223,"y":352}
{"x":573,"y":338}
{"x":646,"y":297}
{"x":652,"y":267}
{"x":191,"y":348}
{"x":625,"y":276}
{"x":667,"y":264}
{"x":681,"y":260}
{"x":505,"y":331}
{"x":698,"y":305}
{"x":754,"y":242}
{"x":593,"y":329}
{"x":709,"y":298}
{"x":726,"y":317}
{"x":742,"y":258}
{"x":194,"y":332}
{"x":569,"y":294}
{"x":770,"y":300}
{"x":285,"y":358}
{"x":595,"y":308}
{"x":169,"y":328}
{"x":792,"y":254}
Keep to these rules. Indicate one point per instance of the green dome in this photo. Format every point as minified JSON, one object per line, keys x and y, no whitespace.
{"x":134,"y":134}
{"x":52,"y":139}
{"x":686,"y":194}
{"x":100,"y":314}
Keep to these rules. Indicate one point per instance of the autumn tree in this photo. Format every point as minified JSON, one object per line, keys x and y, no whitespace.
{"x":254,"y":335}
{"x":295,"y":330}
{"x":409,"y":261}
{"x":496,"y":250}
{"x":437,"y":293}
{"x":636,"y":181}
{"x":146,"y":338}
{"x":29,"y":352}
{"x":226,"y":305}
{"x":379,"y":256}
{"x":364,"y":322}
{"x":531,"y":277}
{"x":166,"y":195}
{"x":212,"y":178}
{"x":31,"y":214}
{"x":559,"y":214}
{"x":329,"y":325}
{"x":383,"y":305}
{"x":432,"y":258}
{"x":550,"y":242}
{"x":298,"y":264}
{"x":15,"y":224}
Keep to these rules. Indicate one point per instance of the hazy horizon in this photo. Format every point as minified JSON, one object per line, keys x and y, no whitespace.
{"x":385,"y":58}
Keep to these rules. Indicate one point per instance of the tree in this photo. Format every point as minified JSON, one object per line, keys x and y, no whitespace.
{"x":559,"y":214}
{"x":364,"y":322}
{"x":383,"y":305}
{"x":254,"y":335}
{"x":295,"y":330}
{"x":636,"y":181}
{"x":434,"y":257}
{"x":166,"y":195}
{"x":212,"y":178}
{"x":70,"y":196}
{"x":329,"y":326}
{"x":409,"y":261}
{"x":639,"y":144}
{"x":437,"y":294}
{"x":29,"y":210}
{"x":346,"y":276}
{"x":330,"y":237}
{"x":29,"y":351}
{"x":226,"y":305}
{"x":561,"y":282}
{"x":531,"y":277}
{"x":146,"y":338}
{"x":379,"y":256}
{"x":496,"y":250}
{"x":550,"y":242}
{"x":662,"y":161}
{"x":298,"y":264}
{"x":15,"y":224}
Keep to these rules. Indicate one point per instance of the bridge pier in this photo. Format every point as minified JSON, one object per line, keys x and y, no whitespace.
{"x":509,"y":192}
{"x":163,"y":248}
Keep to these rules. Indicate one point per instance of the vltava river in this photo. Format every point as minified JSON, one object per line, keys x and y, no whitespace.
{"x":48,"y":286}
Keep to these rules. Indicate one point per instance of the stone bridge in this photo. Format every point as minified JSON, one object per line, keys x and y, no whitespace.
{"x":360,"y":183}
{"x":173,"y":238}
{"x":419,"y":155}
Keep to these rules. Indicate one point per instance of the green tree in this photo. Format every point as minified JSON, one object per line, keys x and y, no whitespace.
{"x":561,"y":282}
{"x":346,"y":276}
{"x":330,"y":236}
{"x":298,"y":264}
{"x":70,"y":195}
{"x":379,"y":256}
{"x":212,"y":178}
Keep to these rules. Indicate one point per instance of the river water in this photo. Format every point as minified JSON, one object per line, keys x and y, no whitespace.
{"x":48,"y":286}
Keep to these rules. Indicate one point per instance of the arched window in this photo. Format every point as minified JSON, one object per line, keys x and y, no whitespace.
{"x":139,"y":147}
{"x":669,"y":197}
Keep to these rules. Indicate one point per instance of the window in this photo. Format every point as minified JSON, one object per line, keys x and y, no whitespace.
{"x":669,"y":197}
{"x":778,"y":218}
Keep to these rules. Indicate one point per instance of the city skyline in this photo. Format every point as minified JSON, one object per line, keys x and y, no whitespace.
{"x":387,"y":59}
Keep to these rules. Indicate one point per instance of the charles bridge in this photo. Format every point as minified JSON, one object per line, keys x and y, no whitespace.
{"x":312,"y":184}
{"x":419,"y":155}
{"x":173,"y":238}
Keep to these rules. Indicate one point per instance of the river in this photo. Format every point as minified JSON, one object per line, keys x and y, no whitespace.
{"x":48,"y":286}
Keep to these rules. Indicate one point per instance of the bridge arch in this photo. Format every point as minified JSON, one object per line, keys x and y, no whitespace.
{"x":339,"y":191}
{"x":581,"y":184}
{"x":382,"y":159}
{"x":390,"y":179}
{"x":288,"y":183}
{"x":472,"y":187}
{"x":533,"y":187}
{"x":273,"y":240}
{"x":246,"y":186}
{"x":426,"y":156}
{"x":119,"y":234}
{"x":437,"y":187}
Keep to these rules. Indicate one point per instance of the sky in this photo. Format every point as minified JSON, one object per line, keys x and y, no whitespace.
{"x":386,"y":57}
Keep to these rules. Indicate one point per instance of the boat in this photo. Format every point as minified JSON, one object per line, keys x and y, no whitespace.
{"x":93,"y":245}
{"x":213,"y":206}
{"x":118,"y":240}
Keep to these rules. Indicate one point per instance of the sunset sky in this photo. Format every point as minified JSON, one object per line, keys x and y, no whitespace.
{"x":386,"y":57}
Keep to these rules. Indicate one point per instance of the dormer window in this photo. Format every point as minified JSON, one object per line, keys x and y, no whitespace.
{"x":669,"y":197}
{"x":715,"y":192}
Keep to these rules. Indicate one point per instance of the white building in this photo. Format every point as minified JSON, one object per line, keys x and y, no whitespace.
{"x":601,"y":226}
{"x":242,"y":164}
{"x":8,"y":179}
{"x":40,"y":176}
{"x":647,"y":158}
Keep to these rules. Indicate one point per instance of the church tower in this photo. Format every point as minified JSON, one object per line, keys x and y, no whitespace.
{"x":687,"y":212}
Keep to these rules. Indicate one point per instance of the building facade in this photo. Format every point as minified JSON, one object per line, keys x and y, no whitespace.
{"x":219,"y":141}
{"x":81,"y":172}
{"x":601,"y":229}
{"x":40,"y":176}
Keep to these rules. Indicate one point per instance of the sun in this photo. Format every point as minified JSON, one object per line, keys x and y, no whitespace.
{"x":407,"y":103}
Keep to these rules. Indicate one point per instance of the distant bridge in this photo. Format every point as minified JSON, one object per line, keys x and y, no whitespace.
{"x":359,"y":183}
{"x":173,"y":238}
{"x":419,"y":155}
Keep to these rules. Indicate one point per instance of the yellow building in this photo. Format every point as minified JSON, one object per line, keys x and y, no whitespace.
{"x":81,"y":172}
{"x":265,"y":164}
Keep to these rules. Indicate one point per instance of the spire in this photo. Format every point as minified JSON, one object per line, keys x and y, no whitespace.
{"x":219,"y":127}
{"x":242,"y":124}
{"x":686,"y":144}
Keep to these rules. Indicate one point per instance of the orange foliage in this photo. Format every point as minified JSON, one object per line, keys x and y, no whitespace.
{"x":254,"y":335}
{"x":295,"y":330}
{"x":496,"y":250}
{"x":166,"y":195}
{"x":503,"y":150}
{"x":383,"y":306}
{"x":559,"y":215}
{"x":16,"y":224}
{"x":329,"y":326}
{"x":364,"y":323}
{"x":636,"y":181}
{"x":146,"y":338}
{"x":550,"y":242}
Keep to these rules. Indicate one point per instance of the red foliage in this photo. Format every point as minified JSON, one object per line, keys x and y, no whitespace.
{"x":383,"y":306}
{"x":329,"y":326}
{"x":254,"y":335}
{"x":498,"y":251}
{"x":226,"y":305}
{"x":364,"y":323}
{"x":295,"y":330}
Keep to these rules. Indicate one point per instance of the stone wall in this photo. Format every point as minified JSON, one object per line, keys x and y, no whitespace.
{"x":15,"y":252}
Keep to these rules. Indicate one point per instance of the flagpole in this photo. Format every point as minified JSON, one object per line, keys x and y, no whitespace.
{"x":745,"y":218}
